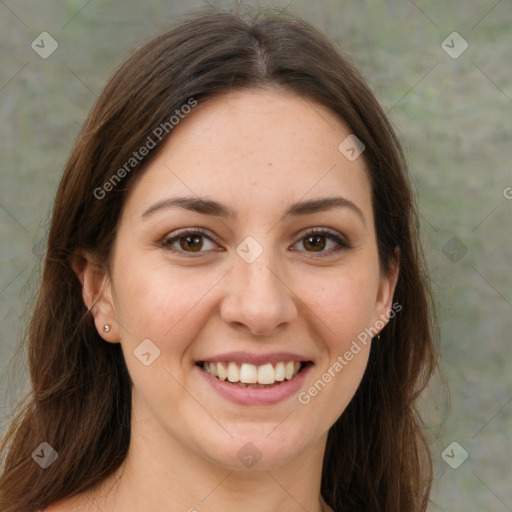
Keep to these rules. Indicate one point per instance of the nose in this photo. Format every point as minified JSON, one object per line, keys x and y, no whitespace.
{"x":259,"y":299}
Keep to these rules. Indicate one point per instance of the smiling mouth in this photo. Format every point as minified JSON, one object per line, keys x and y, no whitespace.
{"x":248,"y":375}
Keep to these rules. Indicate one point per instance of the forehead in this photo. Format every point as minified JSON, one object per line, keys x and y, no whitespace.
{"x":250,"y":148}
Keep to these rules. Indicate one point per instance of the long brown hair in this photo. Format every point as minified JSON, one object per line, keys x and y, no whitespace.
{"x":377,"y":456}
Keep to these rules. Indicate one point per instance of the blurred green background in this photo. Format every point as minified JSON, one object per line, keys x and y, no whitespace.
{"x":452,"y":113}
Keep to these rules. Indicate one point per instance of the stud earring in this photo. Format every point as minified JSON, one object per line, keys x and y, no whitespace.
{"x":106,"y":328}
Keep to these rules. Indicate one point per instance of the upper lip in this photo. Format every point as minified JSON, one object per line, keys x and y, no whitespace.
{"x":256,"y":359}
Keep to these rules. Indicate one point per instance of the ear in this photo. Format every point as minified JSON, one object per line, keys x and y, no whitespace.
{"x":386,"y":290}
{"x":97,"y":294}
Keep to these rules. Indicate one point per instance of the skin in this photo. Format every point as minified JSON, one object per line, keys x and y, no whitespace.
{"x":258,"y":152}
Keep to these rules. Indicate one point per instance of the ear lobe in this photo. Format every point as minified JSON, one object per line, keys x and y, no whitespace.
{"x":96,"y":293}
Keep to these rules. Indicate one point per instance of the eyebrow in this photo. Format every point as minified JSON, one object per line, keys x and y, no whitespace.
{"x":210,"y":207}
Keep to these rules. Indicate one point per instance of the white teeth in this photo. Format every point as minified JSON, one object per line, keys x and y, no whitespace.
{"x":253,"y":375}
{"x":288,"y":370}
{"x":280,"y":373}
{"x":249,"y":374}
{"x":266,"y":374}
{"x":221,"y":371}
{"x":233,"y":372}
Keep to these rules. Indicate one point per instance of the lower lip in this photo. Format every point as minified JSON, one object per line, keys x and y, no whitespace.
{"x":255,"y":396}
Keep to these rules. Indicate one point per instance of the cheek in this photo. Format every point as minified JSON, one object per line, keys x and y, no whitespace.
{"x":343,"y":308}
{"x":160,"y":302}
{"x":344,"y":302}
{"x":343,"y":305}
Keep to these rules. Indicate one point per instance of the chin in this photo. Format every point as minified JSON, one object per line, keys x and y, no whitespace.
{"x":250,"y":450}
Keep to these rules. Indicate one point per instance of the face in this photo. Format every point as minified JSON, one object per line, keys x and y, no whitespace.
{"x":254,"y":273}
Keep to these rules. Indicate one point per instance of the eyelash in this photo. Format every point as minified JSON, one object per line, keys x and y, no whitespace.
{"x":343,"y":245}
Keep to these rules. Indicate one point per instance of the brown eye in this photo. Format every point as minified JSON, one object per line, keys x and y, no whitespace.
{"x":193,"y":243}
{"x":315,"y":243}
{"x":188,"y":242}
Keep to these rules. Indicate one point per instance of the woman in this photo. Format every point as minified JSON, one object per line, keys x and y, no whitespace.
{"x":232,"y":309}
